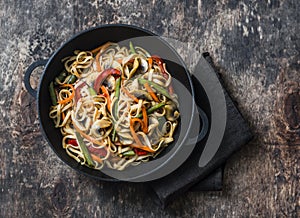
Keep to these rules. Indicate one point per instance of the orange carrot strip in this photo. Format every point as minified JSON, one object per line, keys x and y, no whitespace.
{"x":100,"y":50}
{"x":133,"y":133}
{"x":96,"y":50}
{"x":66,"y":100}
{"x":151,"y":92}
{"x":150,"y":62}
{"x":96,"y":158}
{"x":130,"y":95}
{"x":143,"y":147}
{"x":134,"y":120}
{"x":84,"y":135}
{"x":63,"y":116}
{"x":106,"y":95}
{"x":145,"y":120}
{"x":101,"y":47}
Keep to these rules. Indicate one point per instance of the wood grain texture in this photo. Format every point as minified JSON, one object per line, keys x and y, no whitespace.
{"x":255,"y":44}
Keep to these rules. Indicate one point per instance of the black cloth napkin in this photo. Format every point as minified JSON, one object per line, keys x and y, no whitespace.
{"x":213,"y":182}
{"x":189,"y":176}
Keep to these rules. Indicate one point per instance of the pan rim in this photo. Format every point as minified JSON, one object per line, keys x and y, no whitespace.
{"x":86,"y":32}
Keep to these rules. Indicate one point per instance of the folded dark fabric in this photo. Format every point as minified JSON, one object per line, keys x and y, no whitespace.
{"x":213,"y":182}
{"x":189,"y":174}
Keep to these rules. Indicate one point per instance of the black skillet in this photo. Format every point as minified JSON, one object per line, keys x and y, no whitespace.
{"x":193,"y":121}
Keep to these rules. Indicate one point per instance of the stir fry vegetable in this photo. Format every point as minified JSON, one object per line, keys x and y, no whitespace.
{"x":115,"y":106}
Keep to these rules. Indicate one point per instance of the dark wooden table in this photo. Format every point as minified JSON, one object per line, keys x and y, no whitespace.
{"x":255,"y":44}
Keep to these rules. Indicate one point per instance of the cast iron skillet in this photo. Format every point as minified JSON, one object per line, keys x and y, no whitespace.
{"x":191,"y":129}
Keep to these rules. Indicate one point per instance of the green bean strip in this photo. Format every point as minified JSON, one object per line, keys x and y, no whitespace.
{"x":128,"y":153}
{"x":157,"y":87}
{"x":115,"y":107}
{"x":152,"y":109}
{"x":117,"y":96}
{"x":131,"y":48}
{"x":92,"y":91}
{"x":113,"y":137}
{"x":52,"y":94}
{"x":155,"y":107}
{"x":72,"y":79}
{"x":84,"y":149}
{"x":61,"y":77}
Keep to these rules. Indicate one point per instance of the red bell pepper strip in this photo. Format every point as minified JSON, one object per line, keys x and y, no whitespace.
{"x":99,"y":80}
{"x":102,"y":152}
{"x":140,"y":152}
{"x":77,"y":91}
{"x":106,"y":95}
{"x":160,"y":63}
{"x":72,"y":142}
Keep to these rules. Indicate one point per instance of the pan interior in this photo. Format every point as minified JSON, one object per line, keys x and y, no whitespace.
{"x":121,"y":34}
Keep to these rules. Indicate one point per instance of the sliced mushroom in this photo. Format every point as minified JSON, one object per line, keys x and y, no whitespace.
{"x":110,"y":83}
{"x":172,"y":113}
{"x":125,"y":138}
{"x":143,"y":65}
{"x":134,"y":68}
{"x":141,"y":94}
{"x":103,"y":123}
{"x":101,"y":128}
{"x":168,"y":140}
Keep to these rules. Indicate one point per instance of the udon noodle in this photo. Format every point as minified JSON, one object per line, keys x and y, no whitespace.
{"x":115,"y":106}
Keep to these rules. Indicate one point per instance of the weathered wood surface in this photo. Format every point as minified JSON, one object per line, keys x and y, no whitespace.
{"x":255,"y":44}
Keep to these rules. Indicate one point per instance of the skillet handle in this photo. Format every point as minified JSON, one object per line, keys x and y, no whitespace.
{"x":204,"y":126}
{"x":28,"y":73}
